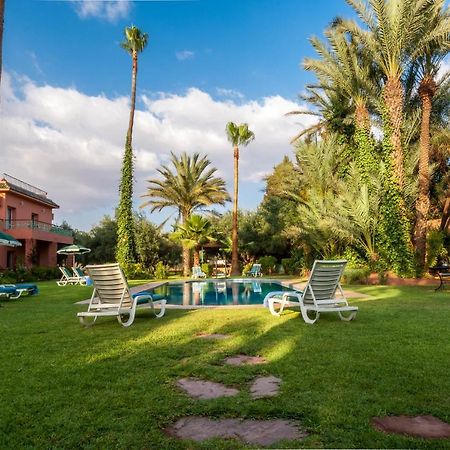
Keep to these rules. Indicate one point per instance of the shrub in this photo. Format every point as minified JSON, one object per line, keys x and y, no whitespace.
{"x":268,"y":264}
{"x":436,"y":253}
{"x":206,"y":269}
{"x":136,"y":271}
{"x":161,"y":271}
{"x":247,"y":268}
{"x":23,"y":275}
{"x":356,"y":275}
{"x":291,"y":266}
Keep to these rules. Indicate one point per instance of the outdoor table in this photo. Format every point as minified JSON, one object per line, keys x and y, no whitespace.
{"x":443,"y":272}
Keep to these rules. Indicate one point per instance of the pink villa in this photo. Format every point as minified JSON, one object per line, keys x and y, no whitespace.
{"x":26,"y":213}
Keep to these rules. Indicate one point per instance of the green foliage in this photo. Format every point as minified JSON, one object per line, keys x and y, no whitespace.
{"x":291,"y":266}
{"x":161,"y":271}
{"x":126,"y":245}
{"x":436,"y":252}
{"x":147,"y":241}
{"x":356,"y":275}
{"x":268,"y":264}
{"x":135,"y":40}
{"x":395,"y":228}
{"x":207,"y":269}
{"x":239,"y":135}
{"x":24,"y":275}
{"x":137,"y":271}
{"x":246,"y":269}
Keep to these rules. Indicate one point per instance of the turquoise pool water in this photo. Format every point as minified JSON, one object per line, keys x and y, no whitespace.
{"x":217,"y":292}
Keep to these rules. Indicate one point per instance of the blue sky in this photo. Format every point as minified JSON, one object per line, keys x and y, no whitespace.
{"x":66,"y":82}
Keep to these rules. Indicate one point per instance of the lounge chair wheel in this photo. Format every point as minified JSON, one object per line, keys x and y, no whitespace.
{"x":347,"y":317}
{"x":87,"y":323}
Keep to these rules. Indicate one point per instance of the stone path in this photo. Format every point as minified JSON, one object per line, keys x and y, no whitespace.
{"x":265,"y":387}
{"x":240,"y":360}
{"x":259,"y":432}
{"x":427,"y":427}
{"x":205,"y":390}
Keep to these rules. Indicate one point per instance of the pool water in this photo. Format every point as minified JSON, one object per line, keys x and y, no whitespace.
{"x":217,"y":292}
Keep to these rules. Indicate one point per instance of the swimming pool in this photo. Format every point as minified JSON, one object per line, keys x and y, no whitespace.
{"x":217,"y":292}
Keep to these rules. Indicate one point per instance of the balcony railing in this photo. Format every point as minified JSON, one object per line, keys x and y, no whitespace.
{"x":35,"y":225}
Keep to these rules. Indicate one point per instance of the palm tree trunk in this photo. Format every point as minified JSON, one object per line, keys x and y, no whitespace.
{"x":393,"y":97}
{"x":234,"y":233}
{"x":196,"y":256}
{"x":186,"y":250}
{"x":427,"y":89}
{"x":133,"y":98}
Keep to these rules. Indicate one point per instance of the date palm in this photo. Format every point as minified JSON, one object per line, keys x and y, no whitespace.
{"x":190,"y":184}
{"x":396,"y":33}
{"x":195,"y":231}
{"x":134,"y":43}
{"x":238,"y":135}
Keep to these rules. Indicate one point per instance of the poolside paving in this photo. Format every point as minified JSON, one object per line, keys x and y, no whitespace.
{"x":258,"y":432}
{"x":265,"y":387}
{"x":205,"y":390}
{"x":426,"y":427}
{"x":241,"y":360}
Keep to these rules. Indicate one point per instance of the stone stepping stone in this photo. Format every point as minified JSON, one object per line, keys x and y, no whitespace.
{"x":205,"y":390}
{"x":241,"y":360}
{"x":212,"y":336}
{"x":265,"y":387}
{"x":259,"y":432}
{"x":427,"y":427}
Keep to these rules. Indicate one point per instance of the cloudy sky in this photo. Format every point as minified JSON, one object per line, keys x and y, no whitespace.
{"x":66,"y":85}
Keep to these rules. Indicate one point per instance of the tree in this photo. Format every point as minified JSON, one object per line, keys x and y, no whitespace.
{"x":428,"y":66}
{"x":190,"y":185}
{"x":238,"y":135}
{"x":195,"y":231}
{"x":134,"y":43}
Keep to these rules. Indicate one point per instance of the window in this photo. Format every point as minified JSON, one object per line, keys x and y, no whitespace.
{"x":34,"y":220}
{"x":10,"y":216}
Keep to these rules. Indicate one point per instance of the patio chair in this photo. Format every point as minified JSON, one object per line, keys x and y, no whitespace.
{"x":78,"y":273}
{"x":197,"y":272}
{"x":318,"y":296}
{"x":13,"y":291}
{"x":255,"y":271}
{"x":111,"y":297}
{"x":68,"y":277}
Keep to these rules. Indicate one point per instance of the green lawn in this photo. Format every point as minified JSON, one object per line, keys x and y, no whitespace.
{"x":63,"y":386}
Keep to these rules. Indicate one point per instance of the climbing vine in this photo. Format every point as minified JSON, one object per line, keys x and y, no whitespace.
{"x":126,"y":246}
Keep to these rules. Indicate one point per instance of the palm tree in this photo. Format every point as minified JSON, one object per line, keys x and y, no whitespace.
{"x":189,"y":186}
{"x":238,"y":135}
{"x":134,"y":43}
{"x":428,"y":66}
{"x":397,"y":33}
{"x":344,"y":72}
{"x":195,"y":231}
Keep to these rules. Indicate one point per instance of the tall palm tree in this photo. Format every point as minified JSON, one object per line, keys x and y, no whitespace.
{"x":134,"y":43}
{"x":195,"y":231}
{"x":343,"y":69}
{"x":190,"y":185}
{"x":238,"y":135}
{"x":428,"y":66}
{"x":397,"y":32}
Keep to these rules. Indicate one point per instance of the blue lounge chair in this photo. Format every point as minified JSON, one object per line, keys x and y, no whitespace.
{"x":197,"y":272}
{"x":255,"y":271}
{"x":13,"y":291}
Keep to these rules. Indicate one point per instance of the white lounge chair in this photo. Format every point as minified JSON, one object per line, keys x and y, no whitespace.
{"x":111,"y":297}
{"x":197,"y":272}
{"x":318,"y":296}
{"x":68,"y":277}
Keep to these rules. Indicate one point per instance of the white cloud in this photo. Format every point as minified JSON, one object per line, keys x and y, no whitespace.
{"x":185,"y":55}
{"x":106,"y":10}
{"x":71,"y":144}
